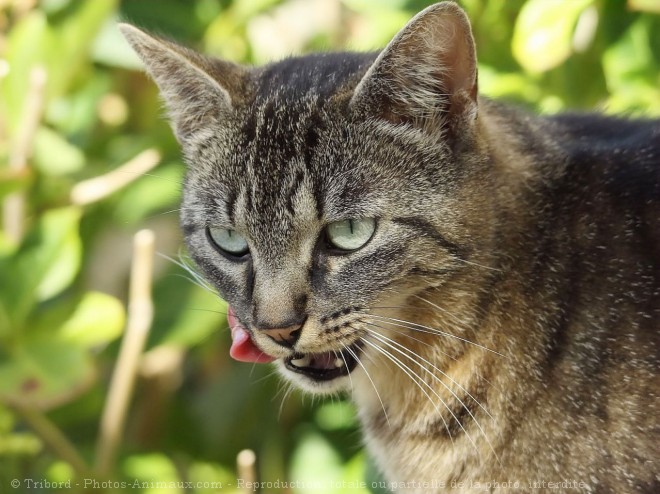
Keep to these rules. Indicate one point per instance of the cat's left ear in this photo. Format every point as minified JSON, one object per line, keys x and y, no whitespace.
{"x":198,"y":91}
{"x":427,"y":75}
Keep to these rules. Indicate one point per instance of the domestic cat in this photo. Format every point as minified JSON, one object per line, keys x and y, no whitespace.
{"x":483,"y":283}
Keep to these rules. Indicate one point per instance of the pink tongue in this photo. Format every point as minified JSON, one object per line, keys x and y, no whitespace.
{"x":243,"y":348}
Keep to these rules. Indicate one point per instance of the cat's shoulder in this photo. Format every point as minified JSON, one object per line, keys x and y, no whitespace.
{"x":600,"y":135}
{"x":620,"y":153}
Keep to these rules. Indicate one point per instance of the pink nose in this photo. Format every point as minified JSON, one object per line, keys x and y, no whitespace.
{"x":284,"y":336}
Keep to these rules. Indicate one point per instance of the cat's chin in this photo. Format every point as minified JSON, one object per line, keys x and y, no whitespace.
{"x":321,"y":373}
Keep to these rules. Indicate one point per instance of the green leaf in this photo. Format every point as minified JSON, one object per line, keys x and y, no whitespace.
{"x":143,"y":469}
{"x":14,"y":180}
{"x":98,"y":319}
{"x":54,"y":6}
{"x":28,"y":45}
{"x":61,"y":48}
{"x":644,"y":5}
{"x":44,"y":265}
{"x":150,"y":194}
{"x":188,"y":314}
{"x":112,"y":49}
{"x":7,"y":420}
{"x":77,"y":112}
{"x":60,"y":471}
{"x":74,"y":39}
{"x":354,"y":473}
{"x":316,"y":465}
{"x":379,"y":22}
{"x":61,"y":254}
{"x":631,"y":71}
{"x":336,"y":415}
{"x":510,"y":85}
{"x":207,"y":474}
{"x":5,"y":321}
{"x":54,"y":155}
{"x":19,"y":444}
{"x":44,"y":372}
{"x":319,"y":468}
{"x":543,"y":34}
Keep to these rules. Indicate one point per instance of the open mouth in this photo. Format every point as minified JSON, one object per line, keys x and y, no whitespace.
{"x":327,"y":365}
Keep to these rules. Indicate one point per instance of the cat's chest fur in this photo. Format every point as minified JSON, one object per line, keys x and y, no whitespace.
{"x":484,"y":284}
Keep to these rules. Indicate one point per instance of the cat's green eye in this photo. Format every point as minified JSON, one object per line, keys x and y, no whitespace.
{"x":229,"y":241}
{"x":350,"y":234}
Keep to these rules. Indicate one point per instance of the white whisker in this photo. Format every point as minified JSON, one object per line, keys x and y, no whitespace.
{"x":472,"y":263}
{"x":378,"y":337}
{"x":290,"y":388}
{"x":346,"y":366}
{"x":436,"y":368}
{"x":390,"y":343}
{"x":409,"y":372}
{"x":413,"y":325}
{"x":460,"y":324}
{"x":197,"y":278}
{"x":406,"y":335}
{"x":372,"y":383}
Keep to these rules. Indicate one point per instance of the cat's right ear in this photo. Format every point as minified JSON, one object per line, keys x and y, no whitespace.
{"x":197,"y":90}
{"x":427,"y":76}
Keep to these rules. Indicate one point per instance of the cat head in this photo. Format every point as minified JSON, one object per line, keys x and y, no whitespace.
{"x":323,"y":190}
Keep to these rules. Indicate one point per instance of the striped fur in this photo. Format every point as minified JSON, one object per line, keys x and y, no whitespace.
{"x":508,"y":306}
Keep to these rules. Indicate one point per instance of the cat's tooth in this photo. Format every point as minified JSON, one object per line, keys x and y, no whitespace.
{"x":302,"y":361}
{"x":339,"y":362}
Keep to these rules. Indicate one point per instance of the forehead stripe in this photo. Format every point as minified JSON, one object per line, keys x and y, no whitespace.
{"x":297,"y":183}
{"x":230,"y":205}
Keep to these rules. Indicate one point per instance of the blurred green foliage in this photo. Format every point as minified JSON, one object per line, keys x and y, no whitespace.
{"x":74,"y":106}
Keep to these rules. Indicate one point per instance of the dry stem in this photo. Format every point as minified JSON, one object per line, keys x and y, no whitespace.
{"x":53,"y":437}
{"x":97,"y":188}
{"x":140,"y":316}
{"x":246,"y":466}
{"x":20,"y":151}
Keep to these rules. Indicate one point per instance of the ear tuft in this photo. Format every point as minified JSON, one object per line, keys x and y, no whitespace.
{"x":196,"y":89}
{"x":427,"y":75}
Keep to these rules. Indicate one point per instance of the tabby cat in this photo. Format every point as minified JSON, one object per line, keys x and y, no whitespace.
{"x":483,"y":283}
